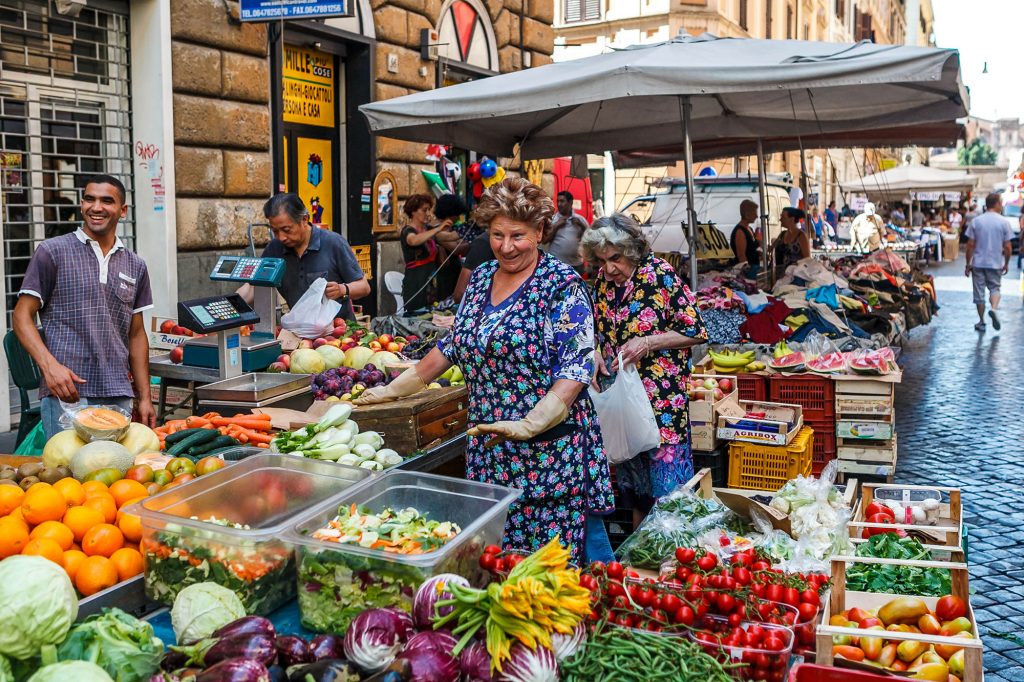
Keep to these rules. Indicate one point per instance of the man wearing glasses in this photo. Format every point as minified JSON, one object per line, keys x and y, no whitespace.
{"x":309,"y":254}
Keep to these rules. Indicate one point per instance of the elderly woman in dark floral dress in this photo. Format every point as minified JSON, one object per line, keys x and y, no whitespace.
{"x":647,"y":315}
{"x":524,"y":339}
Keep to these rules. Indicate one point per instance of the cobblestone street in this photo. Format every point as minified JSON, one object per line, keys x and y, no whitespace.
{"x":959,"y":424}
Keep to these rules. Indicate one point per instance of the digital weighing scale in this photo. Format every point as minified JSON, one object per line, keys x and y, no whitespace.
{"x":219,"y":318}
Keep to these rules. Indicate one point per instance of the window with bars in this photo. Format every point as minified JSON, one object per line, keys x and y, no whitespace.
{"x":581,"y":10}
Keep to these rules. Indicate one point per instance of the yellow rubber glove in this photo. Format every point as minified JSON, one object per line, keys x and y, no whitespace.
{"x":547,"y":413}
{"x":405,"y":384}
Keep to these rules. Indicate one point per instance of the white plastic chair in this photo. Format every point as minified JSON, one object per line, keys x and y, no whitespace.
{"x":393,"y":283}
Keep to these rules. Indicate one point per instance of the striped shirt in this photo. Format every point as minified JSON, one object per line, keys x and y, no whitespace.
{"x":88,"y":300}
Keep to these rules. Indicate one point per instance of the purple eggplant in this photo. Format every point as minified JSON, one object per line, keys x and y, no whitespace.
{"x":235,"y":670}
{"x":327,"y":670}
{"x":246,"y":625}
{"x":213,"y":650}
{"x":292,"y":650}
{"x":327,"y":646}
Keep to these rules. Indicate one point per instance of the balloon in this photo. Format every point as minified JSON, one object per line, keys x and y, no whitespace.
{"x":498,"y":176}
{"x":478,"y":190}
{"x":488,"y":168}
{"x":473,"y":172}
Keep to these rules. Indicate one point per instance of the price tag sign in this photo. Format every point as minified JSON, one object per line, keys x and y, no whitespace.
{"x":712,"y":244}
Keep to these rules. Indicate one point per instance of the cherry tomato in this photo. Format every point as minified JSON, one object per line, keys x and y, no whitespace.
{"x":760,"y":566}
{"x":735,"y":619}
{"x":514,"y":560}
{"x":693,"y":594}
{"x":774,"y":592}
{"x":630,"y":573}
{"x":755,"y":633}
{"x":587,"y":581}
{"x":810,"y":597}
{"x":685,"y":615}
{"x":791,"y":596}
{"x":500,"y":565}
{"x":742,"y":559}
{"x":615,"y":570}
{"x":759,"y":589}
{"x":645,"y":597}
{"x":685,"y":555}
{"x":728,"y":583}
{"x":615,"y":589}
{"x":725,"y":602}
{"x":659,"y":616}
{"x":597,"y":567}
{"x":623,"y":620}
{"x":707,"y":562}
{"x":774,"y":643}
{"x":492,"y":549}
{"x":683,"y":572}
{"x":701,"y":610}
{"x":741,"y":575}
{"x":620,"y":603}
{"x":488,"y":561}
{"x":670,"y":603}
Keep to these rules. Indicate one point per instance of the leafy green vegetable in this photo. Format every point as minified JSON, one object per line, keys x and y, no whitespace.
{"x":37,"y":605}
{"x":121,"y":644}
{"x":202,"y":608}
{"x":925,"y":582}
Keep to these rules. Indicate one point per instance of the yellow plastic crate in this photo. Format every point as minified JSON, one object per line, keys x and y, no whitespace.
{"x":768,"y":467}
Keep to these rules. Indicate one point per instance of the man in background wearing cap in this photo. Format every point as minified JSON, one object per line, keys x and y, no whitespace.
{"x":867,"y":231}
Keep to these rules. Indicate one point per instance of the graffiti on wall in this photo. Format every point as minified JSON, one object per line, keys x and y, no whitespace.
{"x":148,"y":156}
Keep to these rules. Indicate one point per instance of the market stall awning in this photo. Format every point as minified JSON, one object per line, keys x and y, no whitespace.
{"x":938,"y":134}
{"x":739,"y":88}
{"x":898,"y":182}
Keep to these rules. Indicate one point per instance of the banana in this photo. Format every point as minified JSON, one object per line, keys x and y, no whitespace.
{"x":726,"y":370}
{"x":734,"y":360}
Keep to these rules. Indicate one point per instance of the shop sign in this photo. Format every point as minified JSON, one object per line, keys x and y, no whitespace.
{"x":307,"y":82}
{"x":926,"y":196}
{"x":272,"y":10}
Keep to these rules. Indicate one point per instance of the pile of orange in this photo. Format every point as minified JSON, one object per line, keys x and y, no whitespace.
{"x":81,"y":526}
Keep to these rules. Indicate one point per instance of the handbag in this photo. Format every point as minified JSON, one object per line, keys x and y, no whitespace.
{"x":627,"y":420}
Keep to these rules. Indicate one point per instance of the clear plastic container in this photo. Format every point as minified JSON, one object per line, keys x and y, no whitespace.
{"x":262,"y":494}
{"x":338,"y":581}
{"x":751,"y":662}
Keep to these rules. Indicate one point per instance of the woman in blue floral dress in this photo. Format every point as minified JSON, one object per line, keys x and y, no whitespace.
{"x":524,"y":339}
{"x":647,"y":315}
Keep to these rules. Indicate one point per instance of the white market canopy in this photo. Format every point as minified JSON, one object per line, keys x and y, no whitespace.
{"x":740,"y":89}
{"x":897,"y":183}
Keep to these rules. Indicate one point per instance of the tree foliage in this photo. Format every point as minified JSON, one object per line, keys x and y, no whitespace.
{"x":977,"y":153}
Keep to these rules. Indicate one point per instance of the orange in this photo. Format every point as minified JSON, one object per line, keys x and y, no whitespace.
{"x":81,"y":519}
{"x":13,"y":536}
{"x":73,"y":559}
{"x":11,"y":497}
{"x":71,"y":489}
{"x":130,"y":525}
{"x":104,"y":539}
{"x":56,"y":531}
{"x":45,"y":547}
{"x":92,"y":487}
{"x":128,"y":562}
{"x":16,"y":514}
{"x":94,"y":574}
{"x":43,"y":503}
{"x":127,"y":489}
{"x":103,"y":503}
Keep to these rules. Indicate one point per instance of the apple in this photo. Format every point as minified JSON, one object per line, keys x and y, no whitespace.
{"x":277,"y":367}
{"x":347,"y":340}
{"x":384,"y":339}
{"x":340,"y":322}
{"x":334,"y":342}
{"x":725,"y":385}
{"x":177,"y":355}
{"x":710,"y":384}
{"x":339,"y":331}
{"x":349,"y":346}
{"x":375,"y":346}
{"x":285,"y":360}
{"x":412,"y":337}
{"x":359,"y":333}
{"x":319,"y":342}
{"x":305,"y":343}
{"x":167,"y":326}
{"x":393,"y":347}
{"x":718,"y":394}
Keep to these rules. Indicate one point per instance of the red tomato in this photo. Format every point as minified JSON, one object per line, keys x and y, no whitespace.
{"x":755,"y":633}
{"x":623,"y":620}
{"x":488,"y":562}
{"x":701,"y":610}
{"x":707,"y":562}
{"x":615,"y":589}
{"x":725,"y":602}
{"x":759,"y":589}
{"x":615,"y":570}
{"x":683,"y":572}
{"x":645,"y":596}
{"x":671,"y":603}
{"x":597,"y":567}
{"x":810,"y":597}
{"x":950,"y":608}
{"x":878,"y":508}
{"x":685,"y":555}
{"x":685,"y":615}
{"x":620,"y":603}
{"x":791,"y":596}
{"x":514,"y":560}
{"x":775,"y":593}
{"x":492,"y":549}
{"x":774,"y":643}
{"x":741,"y":575}
{"x":586,"y":580}
{"x":735,"y":619}
{"x":728,"y":583}
{"x":760,"y":566}
{"x":693,"y":594}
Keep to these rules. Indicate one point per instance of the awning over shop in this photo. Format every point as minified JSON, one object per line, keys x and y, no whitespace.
{"x":897,"y":183}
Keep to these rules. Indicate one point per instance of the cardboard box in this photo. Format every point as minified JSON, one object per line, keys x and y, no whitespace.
{"x":781,"y":423}
{"x":162,"y":341}
{"x":703,"y":437}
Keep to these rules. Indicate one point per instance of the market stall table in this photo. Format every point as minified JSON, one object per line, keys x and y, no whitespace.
{"x":185,"y":376}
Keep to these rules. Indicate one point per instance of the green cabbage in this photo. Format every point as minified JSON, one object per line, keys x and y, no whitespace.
{"x":202,"y":608}
{"x":119,"y":643}
{"x":37,"y":605}
{"x":6,"y":674}
{"x":79,"y":671}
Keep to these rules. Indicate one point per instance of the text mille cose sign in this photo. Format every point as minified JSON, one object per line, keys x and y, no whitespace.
{"x":270,"y":10}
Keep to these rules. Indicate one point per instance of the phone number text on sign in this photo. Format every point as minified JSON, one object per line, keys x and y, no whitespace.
{"x":268,"y":10}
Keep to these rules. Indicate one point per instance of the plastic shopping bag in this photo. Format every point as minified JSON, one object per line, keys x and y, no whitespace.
{"x":313,"y":314}
{"x":628,"y":425}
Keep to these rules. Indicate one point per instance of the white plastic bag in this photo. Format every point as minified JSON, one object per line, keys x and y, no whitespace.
{"x":313,"y":314}
{"x":628,"y":424}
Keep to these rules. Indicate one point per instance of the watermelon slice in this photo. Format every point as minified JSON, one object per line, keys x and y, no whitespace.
{"x":794,"y":362}
{"x":873,"y":362}
{"x":831,"y":363}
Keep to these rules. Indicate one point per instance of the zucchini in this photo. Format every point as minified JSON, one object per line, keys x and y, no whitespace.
{"x":219,"y":452}
{"x":194,"y":439}
{"x":173,"y":438}
{"x":202,"y":449}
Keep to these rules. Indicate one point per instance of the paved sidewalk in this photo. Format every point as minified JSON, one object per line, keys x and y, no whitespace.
{"x":959,"y":421}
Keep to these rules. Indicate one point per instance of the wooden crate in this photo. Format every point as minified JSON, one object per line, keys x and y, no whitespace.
{"x":415,"y":422}
{"x":948,"y":531}
{"x":840,"y":600}
{"x":867,"y":457}
{"x":865,"y":427}
{"x":864,"y":397}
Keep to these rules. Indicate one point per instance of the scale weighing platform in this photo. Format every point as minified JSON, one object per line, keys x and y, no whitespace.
{"x":220,"y":317}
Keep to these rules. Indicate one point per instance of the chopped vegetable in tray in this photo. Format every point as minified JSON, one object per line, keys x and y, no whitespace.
{"x":403,"y":532}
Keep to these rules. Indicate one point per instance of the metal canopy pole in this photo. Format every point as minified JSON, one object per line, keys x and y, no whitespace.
{"x":762,"y":193}
{"x":691,"y":210}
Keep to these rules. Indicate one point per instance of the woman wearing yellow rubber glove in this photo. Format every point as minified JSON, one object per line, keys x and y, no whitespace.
{"x":524,"y":339}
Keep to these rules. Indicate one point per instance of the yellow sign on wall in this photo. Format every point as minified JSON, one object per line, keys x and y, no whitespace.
{"x":308,"y":87}
{"x":315,"y":179}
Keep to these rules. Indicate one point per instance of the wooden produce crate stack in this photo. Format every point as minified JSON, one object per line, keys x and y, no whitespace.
{"x":704,"y":414}
{"x":866,"y":428}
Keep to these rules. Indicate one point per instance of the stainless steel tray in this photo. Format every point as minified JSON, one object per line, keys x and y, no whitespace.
{"x":254,"y":387}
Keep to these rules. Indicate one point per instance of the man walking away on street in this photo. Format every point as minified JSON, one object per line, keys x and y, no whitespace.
{"x":567,"y":227}
{"x":988,"y":257}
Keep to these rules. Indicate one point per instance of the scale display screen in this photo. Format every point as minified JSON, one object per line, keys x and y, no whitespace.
{"x":250,"y":270}
{"x":216,"y":313}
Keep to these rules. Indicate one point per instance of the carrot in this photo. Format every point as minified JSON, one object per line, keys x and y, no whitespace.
{"x":258,"y":437}
{"x":196,"y":422}
{"x":247,"y":422}
{"x":265,"y":446}
{"x":211,"y":415}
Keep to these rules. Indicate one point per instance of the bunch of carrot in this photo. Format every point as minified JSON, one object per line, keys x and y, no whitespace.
{"x":253,"y":429}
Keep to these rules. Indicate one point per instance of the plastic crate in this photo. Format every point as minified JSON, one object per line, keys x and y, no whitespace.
{"x":752,"y":387}
{"x":824,"y":450}
{"x":815,"y":394}
{"x":768,"y":467}
{"x":717,"y":461}
{"x":806,"y":672}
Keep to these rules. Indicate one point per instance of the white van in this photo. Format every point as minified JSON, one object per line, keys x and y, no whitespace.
{"x":717,"y":201}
